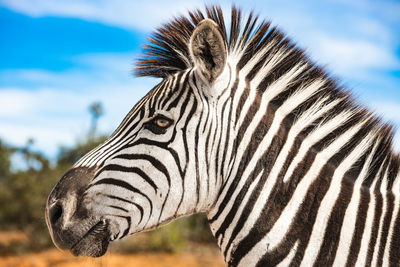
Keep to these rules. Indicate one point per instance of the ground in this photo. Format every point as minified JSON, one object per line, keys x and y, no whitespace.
{"x":62,"y":259}
{"x":192,"y":255}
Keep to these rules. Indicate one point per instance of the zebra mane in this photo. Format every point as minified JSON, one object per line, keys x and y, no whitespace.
{"x":168,"y":53}
{"x":168,"y":50}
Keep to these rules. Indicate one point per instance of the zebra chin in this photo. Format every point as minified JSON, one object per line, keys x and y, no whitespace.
{"x":94,"y":243}
{"x":72,"y":225}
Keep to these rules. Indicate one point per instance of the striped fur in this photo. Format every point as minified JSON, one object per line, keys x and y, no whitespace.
{"x":289,"y":170}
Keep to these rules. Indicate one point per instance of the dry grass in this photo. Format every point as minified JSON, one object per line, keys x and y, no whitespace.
{"x":193,"y":254}
{"x":6,"y":238}
{"x":62,"y":259}
{"x":136,"y":254}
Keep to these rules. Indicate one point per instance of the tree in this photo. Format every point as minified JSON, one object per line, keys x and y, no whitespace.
{"x":5,"y":161}
{"x":96,"y":110}
{"x":69,"y":155}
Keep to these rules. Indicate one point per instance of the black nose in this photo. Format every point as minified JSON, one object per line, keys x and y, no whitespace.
{"x":55,"y":212}
{"x":56,"y":220}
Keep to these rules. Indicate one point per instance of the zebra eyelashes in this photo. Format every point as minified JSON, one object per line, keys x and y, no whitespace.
{"x":159,"y":124}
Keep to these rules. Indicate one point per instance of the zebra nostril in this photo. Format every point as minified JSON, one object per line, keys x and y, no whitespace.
{"x":55,"y":213}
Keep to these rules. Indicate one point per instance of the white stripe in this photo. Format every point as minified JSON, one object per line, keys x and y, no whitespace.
{"x":289,"y":258}
{"x":363,"y":253}
{"x":282,"y":226}
{"x":329,"y":201}
{"x":239,"y":211}
{"x":382,"y":190}
{"x":317,"y":135}
{"x":304,"y":121}
{"x":349,"y":221}
{"x":273,"y":90}
{"x":393,"y":222}
{"x":293,"y":102}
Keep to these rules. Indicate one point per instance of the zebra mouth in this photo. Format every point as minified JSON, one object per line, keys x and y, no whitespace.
{"x":94,"y":243}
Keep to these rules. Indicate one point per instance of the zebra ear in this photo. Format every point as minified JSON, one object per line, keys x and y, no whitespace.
{"x":208,"y":50}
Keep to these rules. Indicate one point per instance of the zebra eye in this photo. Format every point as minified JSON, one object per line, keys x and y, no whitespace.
{"x":159,"y":124}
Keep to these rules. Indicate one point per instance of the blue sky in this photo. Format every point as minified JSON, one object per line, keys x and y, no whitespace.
{"x":57,"y":57}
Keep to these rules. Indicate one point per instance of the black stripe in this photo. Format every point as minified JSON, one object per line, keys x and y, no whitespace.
{"x":265,"y":164}
{"x":127,"y":201}
{"x":154,"y":162}
{"x":377,"y":215}
{"x":135,"y":170}
{"x":361,"y":217}
{"x":242,"y":100}
{"x":179,"y":96}
{"x":385,"y":228}
{"x":129,"y":222}
{"x":118,"y":208}
{"x":271,"y":212}
{"x":394,"y":255}
{"x":125,"y":185}
{"x":330,"y":244}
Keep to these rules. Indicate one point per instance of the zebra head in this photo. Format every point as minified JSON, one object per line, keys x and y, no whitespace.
{"x":159,"y":164}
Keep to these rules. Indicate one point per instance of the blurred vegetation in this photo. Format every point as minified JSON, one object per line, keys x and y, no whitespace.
{"x":23,"y":194}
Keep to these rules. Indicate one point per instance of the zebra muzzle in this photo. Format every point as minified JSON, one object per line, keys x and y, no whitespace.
{"x":71,"y":225}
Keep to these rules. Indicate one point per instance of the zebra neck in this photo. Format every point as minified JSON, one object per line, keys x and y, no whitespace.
{"x":306,"y":220}
{"x":309,"y":180}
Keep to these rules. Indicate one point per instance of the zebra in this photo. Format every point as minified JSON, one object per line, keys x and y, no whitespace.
{"x":244,"y":127}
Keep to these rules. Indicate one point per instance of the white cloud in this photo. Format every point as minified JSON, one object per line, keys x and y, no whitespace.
{"x":371,"y":45}
{"x":374,"y":30}
{"x":38,"y":115}
{"x":390,"y":8}
{"x":356,"y":56}
{"x":18,"y":103}
{"x":91,"y":70}
{"x":396,"y":143}
{"x":47,"y":7}
{"x":54,"y":117}
{"x":53,"y":106}
{"x":47,"y":139}
{"x":390,"y":112}
{"x":132,"y":14}
{"x":14,"y":108}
